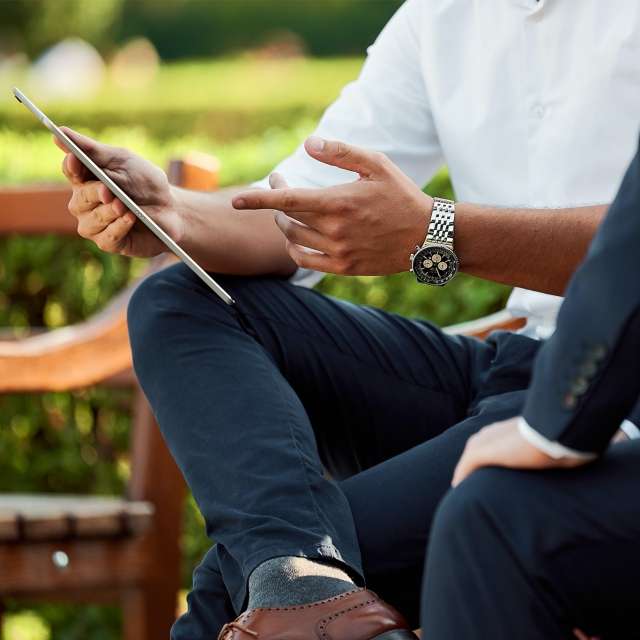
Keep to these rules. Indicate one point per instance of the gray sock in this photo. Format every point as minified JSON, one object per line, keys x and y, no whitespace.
{"x":291,"y":581}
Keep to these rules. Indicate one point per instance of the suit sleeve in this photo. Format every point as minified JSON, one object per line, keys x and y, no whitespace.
{"x":586,"y":377}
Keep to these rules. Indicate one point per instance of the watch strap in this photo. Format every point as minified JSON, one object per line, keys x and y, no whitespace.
{"x":441,"y":225}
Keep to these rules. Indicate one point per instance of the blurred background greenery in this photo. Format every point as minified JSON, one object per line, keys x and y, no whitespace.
{"x":245,"y":81}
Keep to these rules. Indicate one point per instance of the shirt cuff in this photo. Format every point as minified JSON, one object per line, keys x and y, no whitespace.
{"x":630,"y":430}
{"x":554,"y":450}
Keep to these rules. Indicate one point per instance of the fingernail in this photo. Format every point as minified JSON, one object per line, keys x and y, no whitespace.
{"x":239,"y":203}
{"x":315,"y":143}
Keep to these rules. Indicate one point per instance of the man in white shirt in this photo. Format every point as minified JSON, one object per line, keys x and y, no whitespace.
{"x":534,"y":107}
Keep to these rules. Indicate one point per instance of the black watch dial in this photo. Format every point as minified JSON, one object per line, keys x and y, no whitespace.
{"x":435,"y":265}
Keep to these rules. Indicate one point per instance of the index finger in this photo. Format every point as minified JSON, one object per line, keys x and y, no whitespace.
{"x":289,"y":200}
{"x":346,"y":156}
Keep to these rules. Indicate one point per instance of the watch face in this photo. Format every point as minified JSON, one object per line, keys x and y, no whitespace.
{"x":435,"y":265}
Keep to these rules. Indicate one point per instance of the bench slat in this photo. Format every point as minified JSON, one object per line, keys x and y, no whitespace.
{"x":54,"y":517}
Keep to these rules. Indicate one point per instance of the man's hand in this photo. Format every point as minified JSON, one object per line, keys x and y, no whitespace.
{"x":104,"y":219}
{"x":502,"y":445}
{"x":367,"y":227}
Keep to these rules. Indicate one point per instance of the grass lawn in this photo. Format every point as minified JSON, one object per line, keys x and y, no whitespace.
{"x":225,"y":99}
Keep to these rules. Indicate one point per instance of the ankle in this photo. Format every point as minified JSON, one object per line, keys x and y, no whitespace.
{"x":290,"y":581}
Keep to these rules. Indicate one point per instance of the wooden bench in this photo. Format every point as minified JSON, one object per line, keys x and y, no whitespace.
{"x":85,"y":548}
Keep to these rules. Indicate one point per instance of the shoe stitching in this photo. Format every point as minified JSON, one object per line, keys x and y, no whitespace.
{"x":310,"y":605}
{"x":322,"y":626}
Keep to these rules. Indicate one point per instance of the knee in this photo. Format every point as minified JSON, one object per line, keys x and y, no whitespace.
{"x":494,"y":512}
{"x":150,"y":304}
{"x":163,"y":304}
{"x":473,"y":505}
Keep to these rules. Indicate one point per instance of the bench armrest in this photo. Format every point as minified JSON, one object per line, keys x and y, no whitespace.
{"x":481,"y":328}
{"x":71,"y":357}
{"x":81,"y":355}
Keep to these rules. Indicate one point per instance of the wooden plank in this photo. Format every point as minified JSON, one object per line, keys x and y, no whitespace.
{"x":9,"y":526}
{"x":42,"y":517}
{"x":29,"y":569}
{"x":481,"y":328}
{"x":197,"y":171}
{"x":69,"y":358}
{"x":36,"y":210}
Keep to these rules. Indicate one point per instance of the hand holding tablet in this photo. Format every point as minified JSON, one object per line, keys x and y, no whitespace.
{"x":92,"y":164}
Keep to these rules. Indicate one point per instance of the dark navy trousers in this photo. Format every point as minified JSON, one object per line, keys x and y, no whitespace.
{"x":534,"y":555}
{"x":258,"y":404}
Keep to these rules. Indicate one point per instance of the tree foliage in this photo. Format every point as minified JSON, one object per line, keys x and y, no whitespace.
{"x":197,"y":28}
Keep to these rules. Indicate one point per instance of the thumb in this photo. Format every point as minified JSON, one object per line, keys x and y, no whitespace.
{"x":277,"y":181}
{"x":102,"y":154}
{"x":346,"y":156}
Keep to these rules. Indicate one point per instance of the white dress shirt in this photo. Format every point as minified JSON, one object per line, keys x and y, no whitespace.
{"x":532,"y":104}
{"x":529,"y":103}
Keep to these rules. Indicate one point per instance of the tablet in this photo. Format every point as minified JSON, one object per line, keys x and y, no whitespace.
{"x":121,"y":195}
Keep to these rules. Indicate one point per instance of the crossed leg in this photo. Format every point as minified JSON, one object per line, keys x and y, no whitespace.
{"x":254,"y":417}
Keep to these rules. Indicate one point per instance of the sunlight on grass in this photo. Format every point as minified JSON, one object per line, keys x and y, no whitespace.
{"x":237,"y":83}
{"x":182,"y":602}
{"x":25,"y":625}
{"x":249,"y":113}
{"x":242,"y":160}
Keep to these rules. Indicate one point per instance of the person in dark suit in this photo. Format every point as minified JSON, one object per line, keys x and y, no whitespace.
{"x":522,"y":547}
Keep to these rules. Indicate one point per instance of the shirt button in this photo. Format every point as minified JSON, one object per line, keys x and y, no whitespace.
{"x":570,"y":401}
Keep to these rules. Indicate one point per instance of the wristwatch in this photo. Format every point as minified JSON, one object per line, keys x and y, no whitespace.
{"x":435,"y":262}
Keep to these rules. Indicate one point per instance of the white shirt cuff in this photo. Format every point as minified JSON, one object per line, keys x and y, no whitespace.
{"x":554,"y":450}
{"x":630,"y":430}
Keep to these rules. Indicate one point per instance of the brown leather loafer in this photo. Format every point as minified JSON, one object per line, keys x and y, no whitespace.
{"x":356,"y":615}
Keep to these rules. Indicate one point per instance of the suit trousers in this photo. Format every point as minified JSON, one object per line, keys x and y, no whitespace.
{"x":257,"y":403}
{"x":533,"y":555}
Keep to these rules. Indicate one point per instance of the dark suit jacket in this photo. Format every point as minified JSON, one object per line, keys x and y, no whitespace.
{"x":586,"y":378}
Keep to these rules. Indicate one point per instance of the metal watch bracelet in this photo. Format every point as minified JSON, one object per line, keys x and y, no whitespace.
{"x":441,"y":225}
